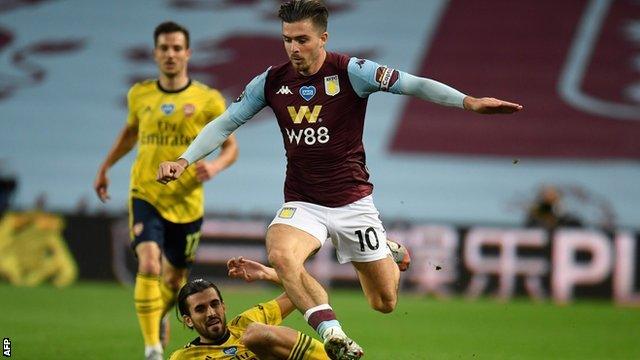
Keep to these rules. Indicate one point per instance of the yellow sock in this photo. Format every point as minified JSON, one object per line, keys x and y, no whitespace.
{"x":169,"y":295}
{"x":307,"y":348}
{"x":148,"y":307}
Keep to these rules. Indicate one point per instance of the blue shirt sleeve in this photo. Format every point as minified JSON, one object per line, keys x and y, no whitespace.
{"x":367,"y":77}
{"x":249,"y":103}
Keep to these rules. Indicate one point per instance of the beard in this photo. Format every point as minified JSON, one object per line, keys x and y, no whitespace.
{"x":303,"y":68}
{"x":214,"y":332}
{"x":171,"y":71}
{"x":300,"y":66}
{"x":170,"y":74}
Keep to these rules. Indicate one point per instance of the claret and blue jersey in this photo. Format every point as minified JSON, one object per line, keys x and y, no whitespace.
{"x":321,"y":118}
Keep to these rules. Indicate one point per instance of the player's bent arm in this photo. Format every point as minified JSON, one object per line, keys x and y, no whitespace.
{"x":210,"y":137}
{"x":285,"y":304}
{"x":125,"y":141}
{"x":229,"y":152}
{"x":228,"y":155}
{"x":217,"y":131}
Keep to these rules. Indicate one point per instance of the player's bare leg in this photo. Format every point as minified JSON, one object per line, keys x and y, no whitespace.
{"x":288,"y":248}
{"x":379,"y":280}
{"x":278,"y":342}
{"x":147,"y":297}
{"x":149,"y":254}
{"x":172,"y":280}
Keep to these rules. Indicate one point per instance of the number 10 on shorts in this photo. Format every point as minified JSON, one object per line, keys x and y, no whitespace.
{"x":370,"y":238}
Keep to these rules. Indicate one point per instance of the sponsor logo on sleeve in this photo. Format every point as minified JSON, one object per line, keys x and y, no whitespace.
{"x":386,"y":77}
{"x":239,"y":98}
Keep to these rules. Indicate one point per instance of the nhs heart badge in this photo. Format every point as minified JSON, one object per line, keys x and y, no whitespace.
{"x":230,"y":350}
{"x":167,"y":108}
{"x":307,"y":92}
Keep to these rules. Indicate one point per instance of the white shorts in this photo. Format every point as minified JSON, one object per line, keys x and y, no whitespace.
{"x":355,"y":229}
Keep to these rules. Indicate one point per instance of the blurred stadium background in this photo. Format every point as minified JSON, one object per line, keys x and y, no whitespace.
{"x":535,"y":216}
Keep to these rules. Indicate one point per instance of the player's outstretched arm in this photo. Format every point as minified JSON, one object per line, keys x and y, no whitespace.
{"x":439,"y":93}
{"x":219,"y":130}
{"x":209,"y":138}
{"x":207,"y":170}
{"x":488,"y":105}
{"x":249,"y":271}
{"x":368,"y":77}
{"x":249,"y":103}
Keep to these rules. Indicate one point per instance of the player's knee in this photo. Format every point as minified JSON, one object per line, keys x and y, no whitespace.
{"x":149,"y":266}
{"x":386,"y":307}
{"x":384,"y":303}
{"x":148,"y":254}
{"x":284,"y":262}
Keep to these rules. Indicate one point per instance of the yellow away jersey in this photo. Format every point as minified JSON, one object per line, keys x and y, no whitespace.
{"x":266,"y":313}
{"x":167,"y":123}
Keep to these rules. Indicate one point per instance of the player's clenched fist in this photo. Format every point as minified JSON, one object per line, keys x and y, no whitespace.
{"x":170,"y":170}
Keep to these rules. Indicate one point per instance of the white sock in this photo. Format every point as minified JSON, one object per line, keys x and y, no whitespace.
{"x":149,"y":348}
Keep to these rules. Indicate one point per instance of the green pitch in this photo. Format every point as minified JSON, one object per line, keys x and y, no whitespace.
{"x":97,"y":321}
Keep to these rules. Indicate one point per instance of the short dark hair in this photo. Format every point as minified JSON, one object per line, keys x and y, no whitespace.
{"x":298,"y":10}
{"x":193,"y":287}
{"x":169,"y":27}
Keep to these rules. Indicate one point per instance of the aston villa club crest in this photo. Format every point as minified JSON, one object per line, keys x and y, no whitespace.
{"x":167,"y":109}
{"x":287,"y":212}
{"x":331,"y":85}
